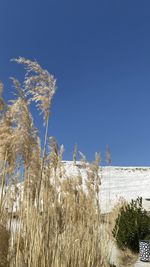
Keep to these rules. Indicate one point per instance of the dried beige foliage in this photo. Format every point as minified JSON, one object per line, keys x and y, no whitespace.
{"x":58,"y":218}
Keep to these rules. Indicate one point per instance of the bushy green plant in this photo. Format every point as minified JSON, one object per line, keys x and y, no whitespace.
{"x":132,"y":225}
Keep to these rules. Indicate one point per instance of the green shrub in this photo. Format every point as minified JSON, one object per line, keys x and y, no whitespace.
{"x":132,"y":225}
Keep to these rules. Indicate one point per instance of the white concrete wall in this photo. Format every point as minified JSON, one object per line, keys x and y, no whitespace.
{"x":117,"y":182}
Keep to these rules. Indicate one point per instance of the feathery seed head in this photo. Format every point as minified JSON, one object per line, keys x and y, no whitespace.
{"x":39,"y":84}
{"x":2,"y":104}
{"x":1,"y":88}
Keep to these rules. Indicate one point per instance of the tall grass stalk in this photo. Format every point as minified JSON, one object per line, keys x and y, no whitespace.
{"x":58,"y":217}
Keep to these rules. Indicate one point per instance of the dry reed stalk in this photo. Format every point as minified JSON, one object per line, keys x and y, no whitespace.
{"x":67,"y":230}
{"x":60,"y":221}
{"x":4,"y":247}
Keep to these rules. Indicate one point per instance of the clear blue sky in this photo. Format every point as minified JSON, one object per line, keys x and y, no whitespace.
{"x":99,"y":51}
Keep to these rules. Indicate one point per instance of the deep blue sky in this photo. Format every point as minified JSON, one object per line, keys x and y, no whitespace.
{"x":99,"y":51}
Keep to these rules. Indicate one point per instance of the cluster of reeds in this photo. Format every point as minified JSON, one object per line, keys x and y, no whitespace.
{"x":50,"y":219}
